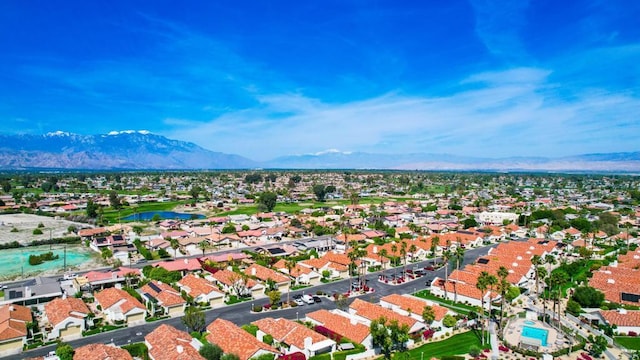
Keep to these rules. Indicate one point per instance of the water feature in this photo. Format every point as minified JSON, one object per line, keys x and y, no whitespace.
{"x":536,"y":334}
{"x":148,"y":215}
{"x":15,"y":262}
{"x":529,"y":322}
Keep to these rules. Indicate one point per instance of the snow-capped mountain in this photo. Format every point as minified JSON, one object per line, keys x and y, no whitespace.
{"x":115,"y":150}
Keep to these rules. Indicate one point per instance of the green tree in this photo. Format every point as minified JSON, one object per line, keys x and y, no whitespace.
{"x":503,"y":288}
{"x":469,"y":222}
{"x":114,"y":200}
{"x":64,"y":351}
{"x":210,"y":351}
{"x":229,"y":228}
{"x":274,"y":296}
{"x":598,"y":346}
{"x":6,"y":186}
{"x":320,"y":191}
{"x":588,"y":297}
{"x":474,"y":351}
{"x":482,"y":285}
{"x":388,"y":336}
{"x":268,"y":199}
{"x":428,"y":315}
{"x":230,"y":357}
{"x":449,"y":321}
{"x":92,"y":209}
{"x":194,"y":319}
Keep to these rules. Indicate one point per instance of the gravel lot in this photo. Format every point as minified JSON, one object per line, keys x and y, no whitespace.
{"x":26,"y":223}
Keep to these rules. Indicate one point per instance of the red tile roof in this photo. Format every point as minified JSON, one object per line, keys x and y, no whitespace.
{"x":341,"y":325}
{"x":60,"y":309}
{"x":167,"y":296}
{"x":112,"y":296}
{"x":374,"y":311}
{"x":169,"y":343}
{"x":13,"y":319}
{"x":234,"y":340}
{"x":288,"y":332}
{"x":625,"y":318}
{"x":198,"y":286}
{"x":101,"y":352}
{"x":415,"y":305}
{"x":264,"y":274}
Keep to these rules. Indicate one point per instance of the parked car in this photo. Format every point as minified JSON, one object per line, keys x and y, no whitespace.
{"x":299,"y":302}
{"x":70,"y":276}
{"x":308,"y":299}
{"x":317,"y":299}
{"x":429,"y":268}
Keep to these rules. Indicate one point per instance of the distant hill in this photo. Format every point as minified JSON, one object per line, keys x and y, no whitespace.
{"x":116,"y":150}
{"x":140,"y":150}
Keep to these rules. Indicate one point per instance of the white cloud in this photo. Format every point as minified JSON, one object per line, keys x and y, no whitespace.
{"x":521,"y":115}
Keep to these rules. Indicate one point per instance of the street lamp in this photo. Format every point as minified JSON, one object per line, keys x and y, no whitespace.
{"x":297,"y":316}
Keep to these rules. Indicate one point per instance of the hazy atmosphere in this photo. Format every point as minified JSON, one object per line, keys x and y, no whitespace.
{"x":266,"y":79}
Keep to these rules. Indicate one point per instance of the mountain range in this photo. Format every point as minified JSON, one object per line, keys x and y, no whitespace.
{"x":142,"y":150}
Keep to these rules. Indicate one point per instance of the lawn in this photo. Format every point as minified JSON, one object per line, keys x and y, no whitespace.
{"x":425,"y":294}
{"x":455,"y":345}
{"x":630,"y":342}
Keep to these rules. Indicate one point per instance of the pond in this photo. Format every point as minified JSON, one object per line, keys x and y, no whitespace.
{"x":148,"y":215}
{"x":15,"y":262}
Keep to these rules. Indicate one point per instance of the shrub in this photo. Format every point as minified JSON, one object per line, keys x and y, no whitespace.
{"x":14,"y":230}
{"x":137,"y":350}
{"x":257,"y":308}
{"x":37,"y":232}
{"x":632,"y":333}
{"x":267,"y":339}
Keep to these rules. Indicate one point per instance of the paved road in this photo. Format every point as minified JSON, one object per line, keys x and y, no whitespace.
{"x":241,"y":313}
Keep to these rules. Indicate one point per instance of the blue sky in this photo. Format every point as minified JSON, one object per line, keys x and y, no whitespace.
{"x":269,"y":78}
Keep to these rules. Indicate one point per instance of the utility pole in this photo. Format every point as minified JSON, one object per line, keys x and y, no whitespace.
{"x":65,"y":257}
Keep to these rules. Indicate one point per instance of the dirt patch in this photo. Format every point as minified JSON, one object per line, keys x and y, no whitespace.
{"x":26,"y":223}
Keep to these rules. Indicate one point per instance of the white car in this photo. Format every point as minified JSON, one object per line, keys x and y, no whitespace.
{"x":308,"y":299}
{"x":70,"y":276}
{"x":298,"y":302}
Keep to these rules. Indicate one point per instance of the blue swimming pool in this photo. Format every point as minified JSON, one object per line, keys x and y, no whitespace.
{"x":536,"y":334}
{"x":529,"y":322}
{"x":148,"y":215}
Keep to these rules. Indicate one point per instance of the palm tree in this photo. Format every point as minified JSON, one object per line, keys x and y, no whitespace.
{"x":174,"y":245}
{"x":542,"y":273}
{"x":435,"y":242}
{"x":536,"y":261}
{"x":383,"y":254}
{"x":550,"y":260}
{"x":403,"y":252}
{"x":289,"y":264}
{"x":557,"y":280}
{"x":394,"y":250}
{"x":203,"y":246}
{"x":459,"y":257}
{"x":413,"y":249}
{"x":446,"y":255}
{"x":503,"y":286}
{"x":482,"y":285}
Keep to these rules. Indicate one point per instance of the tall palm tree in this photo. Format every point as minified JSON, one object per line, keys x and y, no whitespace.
{"x":503,"y":286}
{"x":542,"y":273}
{"x":289,"y":264}
{"x":413,"y":249}
{"x":536,"y":261}
{"x":446,"y":255}
{"x":383,"y":254}
{"x":203,"y":246}
{"x":550,"y":260}
{"x":481,"y":284}
{"x":557,"y":280}
{"x":394,"y":250}
{"x":458,"y":255}
{"x":403,"y":252}
{"x":435,"y":242}
{"x":174,"y":245}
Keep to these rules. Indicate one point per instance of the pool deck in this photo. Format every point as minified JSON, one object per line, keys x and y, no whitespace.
{"x":513,"y":330}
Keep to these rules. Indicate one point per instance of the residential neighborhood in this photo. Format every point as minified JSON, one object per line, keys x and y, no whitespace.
{"x":534,"y":265}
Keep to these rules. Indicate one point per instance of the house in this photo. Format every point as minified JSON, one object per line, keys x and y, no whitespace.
{"x":300,"y":274}
{"x":234,"y":340}
{"x":368,"y":312}
{"x":169,"y":343}
{"x":107,"y":278}
{"x":201,"y":290}
{"x":412,"y":306}
{"x":620,"y":282}
{"x":13,"y":328}
{"x":101,"y":352}
{"x":109,"y":242}
{"x":235,"y":284}
{"x":68,"y":318}
{"x":35,"y":291}
{"x":290,"y":337}
{"x":342,"y":325}
{"x":184,"y":266}
{"x":118,"y":305}
{"x":627,"y":321}
{"x":161,"y":297}
{"x":281,"y":282}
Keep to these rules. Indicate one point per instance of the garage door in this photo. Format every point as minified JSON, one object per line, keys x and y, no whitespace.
{"x":11,"y":347}
{"x":176,"y":311}
{"x":135,"y":318}
{"x":71,"y":332}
